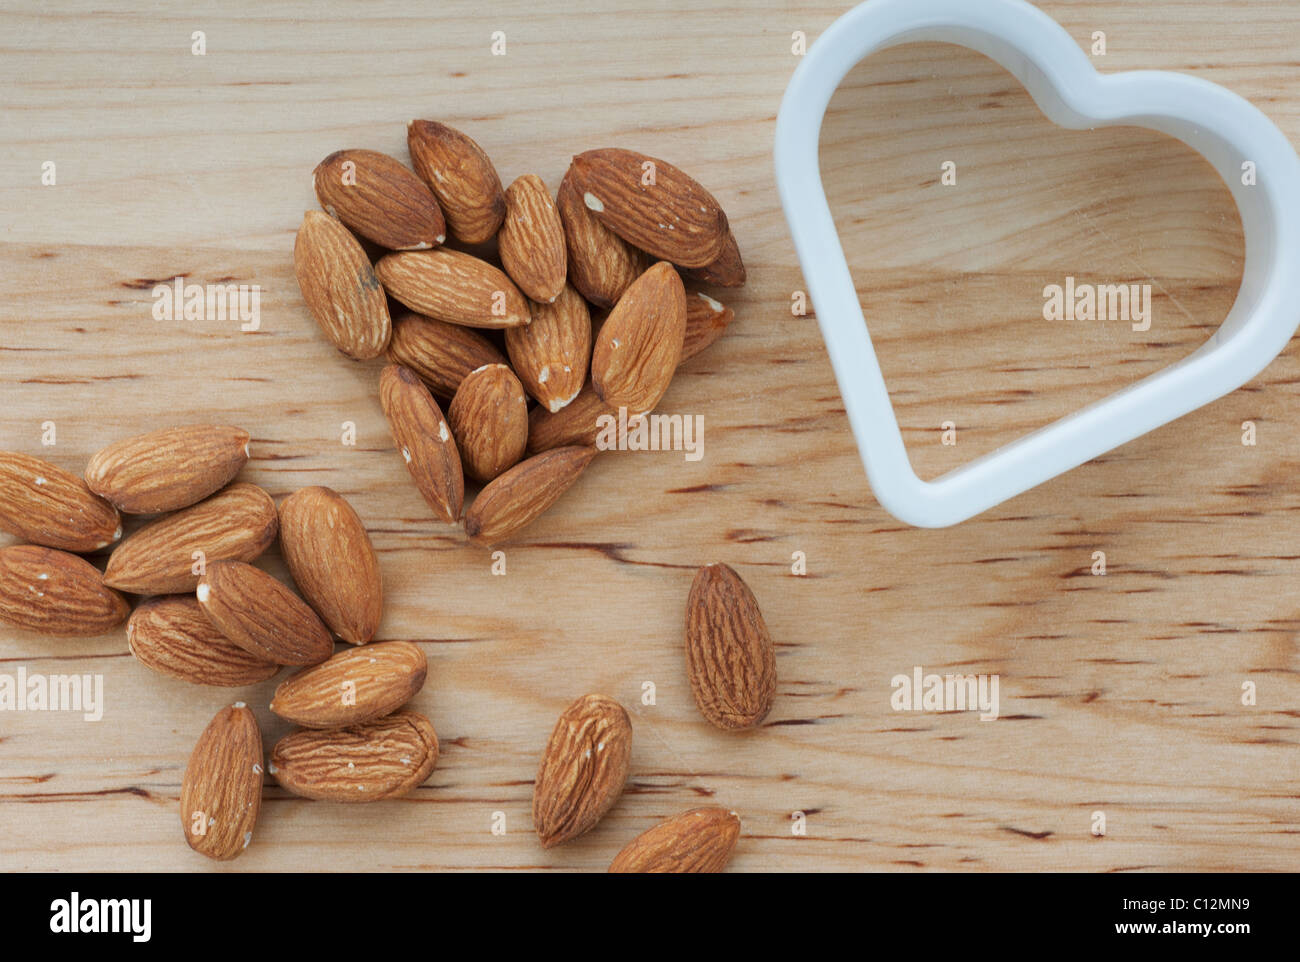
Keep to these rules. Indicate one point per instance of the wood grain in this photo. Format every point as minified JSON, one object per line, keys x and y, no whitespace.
{"x":1119,"y":693}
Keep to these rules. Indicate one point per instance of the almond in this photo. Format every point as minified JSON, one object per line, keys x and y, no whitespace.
{"x":729,"y":655}
{"x":221,"y":792}
{"x":333,"y":562}
{"x":583,"y":770}
{"x":380,"y":759}
{"x":454,"y":287}
{"x":168,"y":469}
{"x":551,"y":354}
{"x":52,"y":591}
{"x":640,"y":343}
{"x":462,"y":177}
{"x":601,"y":264}
{"x":380,"y":199}
{"x":531,"y":242}
{"x":727,"y":271}
{"x":356,"y":685}
{"x":168,"y":556}
{"x":577,"y":423}
{"x":171,"y":635}
{"x":261,"y":615}
{"x":340,"y":287}
{"x":41,"y":502}
{"x":489,"y":419}
{"x":519,"y":496}
{"x":425,"y":440}
{"x":441,"y":353}
{"x":706,"y":319}
{"x":651,"y":205}
{"x":700,"y":840}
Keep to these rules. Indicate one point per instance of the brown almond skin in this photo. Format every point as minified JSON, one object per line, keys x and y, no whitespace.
{"x":261,"y":615}
{"x":706,"y":320}
{"x":489,"y":418}
{"x":462,"y":177}
{"x":340,"y":287}
{"x":551,"y":355}
{"x":441,"y":353}
{"x":531,"y":242}
{"x":221,"y":792}
{"x":727,"y":271}
{"x":333,"y":562}
{"x":171,"y":635}
{"x":355,"y":686}
{"x":168,"y":469}
{"x":577,"y":423}
{"x":729,"y":655}
{"x":519,"y":496}
{"x":700,"y":840}
{"x":674,"y":219}
{"x":56,"y":593}
{"x":454,"y":287}
{"x":425,"y":440}
{"x":385,"y":202}
{"x":640,"y":344}
{"x":601,"y":264}
{"x":584,"y":767}
{"x":237,"y":523}
{"x":386,"y":758}
{"x":42,"y":503}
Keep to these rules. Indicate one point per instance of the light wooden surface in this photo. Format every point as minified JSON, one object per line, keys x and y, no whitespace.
{"x":1119,"y":693}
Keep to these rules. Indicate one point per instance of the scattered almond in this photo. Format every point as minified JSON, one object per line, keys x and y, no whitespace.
{"x":519,"y":496}
{"x":380,"y":759}
{"x":356,"y":685}
{"x":700,"y":840}
{"x":454,"y":287}
{"x":489,"y":419}
{"x":261,"y":615}
{"x":380,"y":199}
{"x":52,"y":591}
{"x":601,"y":264}
{"x":221,"y":793}
{"x":459,"y":172}
{"x":551,"y":354}
{"x":583,"y":770}
{"x":706,"y":319}
{"x":171,"y":635}
{"x":441,"y":353}
{"x":168,"y":469}
{"x":729,"y":655}
{"x":340,"y":287}
{"x":574,"y":424}
{"x":41,"y":502}
{"x":425,"y":441}
{"x":640,"y":344}
{"x":531,"y":241}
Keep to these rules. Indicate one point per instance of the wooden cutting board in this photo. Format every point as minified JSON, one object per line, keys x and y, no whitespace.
{"x":1120,"y":693}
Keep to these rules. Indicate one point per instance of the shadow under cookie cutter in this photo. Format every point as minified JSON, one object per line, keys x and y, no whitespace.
{"x":1223,"y":127}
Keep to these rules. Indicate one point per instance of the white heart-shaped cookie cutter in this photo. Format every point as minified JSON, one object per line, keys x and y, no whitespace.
{"x":1222,"y":126}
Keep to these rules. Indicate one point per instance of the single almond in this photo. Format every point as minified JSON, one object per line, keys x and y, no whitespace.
{"x":221,"y":793}
{"x":729,"y":655}
{"x":356,"y":685}
{"x":706,"y":320}
{"x":168,"y":469}
{"x":489,"y":419}
{"x":727,"y":271}
{"x":583,"y":770}
{"x":601,"y":264}
{"x":462,"y":177}
{"x":41,"y":502}
{"x":340,"y":287}
{"x":262,"y":615}
{"x":639,"y":346}
{"x":652,"y":205}
{"x":386,"y":758}
{"x":425,"y":441}
{"x":171,"y":635}
{"x":700,"y":840}
{"x":57,"y":593}
{"x":454,"y":287}
{"x":168,"y":556}
{"x":519,"y":496}
{"x":380,"y":199}
{"x":441,"y":353}
{"x":333,"y":562}
{"x":551,"y":355}
{"x":577,"y":423}
{"x":531,"y":242}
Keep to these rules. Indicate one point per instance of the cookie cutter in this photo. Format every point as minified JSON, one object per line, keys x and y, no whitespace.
{"x":1223,"y":127}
